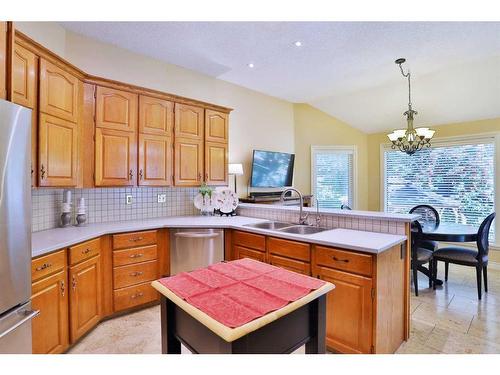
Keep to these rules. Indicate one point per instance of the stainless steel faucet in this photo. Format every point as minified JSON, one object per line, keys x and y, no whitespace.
{"x":302,"y":217}
{"x":318,"y":215}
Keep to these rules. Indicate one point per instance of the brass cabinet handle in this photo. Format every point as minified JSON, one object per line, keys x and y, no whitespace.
{"x":44,"y":266}
{"x":206,"y":176}
{"x":199,"y":176}
{"x":137,"y":295}
{"x":62,"y":288}
{"x":73,"y":282}
{"x":130,"y":174}
{"x":340,"y":260}
{"x":86,"y":251}
{"x":137,"y":273}
{"x":42,"y":172}
{"x":140,"y":174}
{"x":136,"y":255}
{"x":136,"y":239}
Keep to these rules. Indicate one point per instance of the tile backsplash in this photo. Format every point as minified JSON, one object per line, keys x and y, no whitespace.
{"x":104,"y":205}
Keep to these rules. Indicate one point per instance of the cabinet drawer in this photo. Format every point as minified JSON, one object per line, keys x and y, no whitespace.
{"x":344,"y":260}
{"x":243,"y":252}
{"x":136,"y":295}
{"x":134,"y":255}
{"x":134,"y":274}
{"x":83,"y":251}
{"x":48,"y":264}
{"x":250,"y":240}
{"x":290,"y":264}
{"x":134,"y":239}
{"x":289,"y":249}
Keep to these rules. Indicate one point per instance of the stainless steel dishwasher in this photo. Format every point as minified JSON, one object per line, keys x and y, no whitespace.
{"x":195,"y":248}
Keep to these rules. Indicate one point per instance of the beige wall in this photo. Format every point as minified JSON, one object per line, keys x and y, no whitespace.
{"x":258,"y":121}
{"x":447,"y":130}
{"x":316,"y":128}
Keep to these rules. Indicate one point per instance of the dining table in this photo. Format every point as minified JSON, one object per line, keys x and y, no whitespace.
{"x":447,"y":232}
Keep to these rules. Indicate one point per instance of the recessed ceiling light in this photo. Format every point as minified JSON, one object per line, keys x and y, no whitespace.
{"x":298,"y":43}
{"x":251,"y":65}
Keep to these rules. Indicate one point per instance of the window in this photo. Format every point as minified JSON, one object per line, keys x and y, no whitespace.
{"x":332,"y":173}
{"x":457,"y":178}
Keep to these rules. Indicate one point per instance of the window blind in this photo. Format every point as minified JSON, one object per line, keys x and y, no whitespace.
{"x":333,"y":177}
{"x":458,"y":179}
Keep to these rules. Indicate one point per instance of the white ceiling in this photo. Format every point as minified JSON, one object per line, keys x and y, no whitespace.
{"x":343,"y":68}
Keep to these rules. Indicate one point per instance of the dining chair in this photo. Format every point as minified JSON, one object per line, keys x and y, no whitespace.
{"x":428,"y":216}
{"x":469,"y":257}
{"x":345,"y":207}
{"x":419,"y":255}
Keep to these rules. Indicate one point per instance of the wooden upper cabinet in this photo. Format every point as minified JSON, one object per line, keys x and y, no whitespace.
{"x":3,"y":59}
{"x":216,"y":126}
{"x":349,"y":312}
{"x":24,"y":77}
{"x":85,"y":297}
{"x":116,"y":109}
{"x":156,"y":116}
{"x":50,"y":327}
{"x":57,"y":152}
{"x":215,"y":163}
{"x":58,"y":92}
{"x":188,"y":156}
{"x":155,"y":160}
{"x":115,"y":158}
{"x":189,"y":121}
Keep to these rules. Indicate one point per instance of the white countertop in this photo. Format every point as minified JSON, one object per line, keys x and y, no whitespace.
{"x":375,"y":215}
{"x":44,"y":242}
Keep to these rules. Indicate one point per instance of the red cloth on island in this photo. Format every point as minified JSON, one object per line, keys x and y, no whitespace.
{"x":237,"y":292}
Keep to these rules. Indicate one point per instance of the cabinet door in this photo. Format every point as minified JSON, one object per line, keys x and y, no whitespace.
{"x":215,"y":163}
{"x":216,"y":126}
{"x":50,"y":327}
{"x":189,"y":121}
{"x":290,"y":264}
{"x":24,"y":77}
{"x":244,"y":252}
{"x":115,"y":158}
{"x":3,"y":59}
{"x":116,"y":109}
{"x":155,"y":160}
{"x":58,"y":92}
{"x":58,"y":154}
{"x":85,"y":296}
{"x":188,"y":162}
{"x":349,"y":314}
{"x":156,"y":116}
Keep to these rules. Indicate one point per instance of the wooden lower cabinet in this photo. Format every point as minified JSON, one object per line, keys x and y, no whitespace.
{"x":349,"y":316}
{"x":244,"y":252}
{"x":50,"y":328}
{"x":85,"y":296}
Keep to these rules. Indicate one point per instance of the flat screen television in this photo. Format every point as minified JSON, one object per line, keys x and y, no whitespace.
{"x":272,"y":169}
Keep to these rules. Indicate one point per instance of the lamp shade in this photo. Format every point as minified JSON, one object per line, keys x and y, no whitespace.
{"x":235,"y":169}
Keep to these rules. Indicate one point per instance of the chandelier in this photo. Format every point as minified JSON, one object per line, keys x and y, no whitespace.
{"x":410,"y":140}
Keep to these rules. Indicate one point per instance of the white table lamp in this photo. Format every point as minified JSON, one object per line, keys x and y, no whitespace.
{"x":235,"y":170}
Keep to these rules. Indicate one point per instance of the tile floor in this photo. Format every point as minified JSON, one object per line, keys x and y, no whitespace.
{"x":448,"y":320}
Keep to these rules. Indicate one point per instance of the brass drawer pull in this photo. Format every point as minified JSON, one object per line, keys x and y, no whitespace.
{"x":137,"y":273}
{"x":340,"y":260}
{"x":62,"y":288}
{"x":44,"y":266}
{"x":137,"y":295}
{"x":136,"y":239}
{"x":136,"y":255}
{"x":73,"y":282}
{"x":86,"y":251}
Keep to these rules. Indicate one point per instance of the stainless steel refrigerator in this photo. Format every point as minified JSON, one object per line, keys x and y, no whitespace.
{"x":15,"y":229}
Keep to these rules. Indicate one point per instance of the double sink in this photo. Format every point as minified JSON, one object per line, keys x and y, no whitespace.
{"x":287,"y":227}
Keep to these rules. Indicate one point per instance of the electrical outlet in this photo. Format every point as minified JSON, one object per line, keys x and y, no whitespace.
{"x":162,"y":198}
{"x":129,"y":199}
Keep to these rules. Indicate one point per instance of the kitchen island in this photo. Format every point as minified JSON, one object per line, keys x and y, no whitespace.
{"x":368,"y":312}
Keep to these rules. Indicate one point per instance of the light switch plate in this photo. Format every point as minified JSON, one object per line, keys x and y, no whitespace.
{"x":129,"y":199}
{"x":162,"y":198}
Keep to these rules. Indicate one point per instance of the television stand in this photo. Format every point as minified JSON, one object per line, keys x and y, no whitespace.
{"x":275,"y":199}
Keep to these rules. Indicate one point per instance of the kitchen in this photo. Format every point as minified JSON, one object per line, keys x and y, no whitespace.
{"x":127,"y":168}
